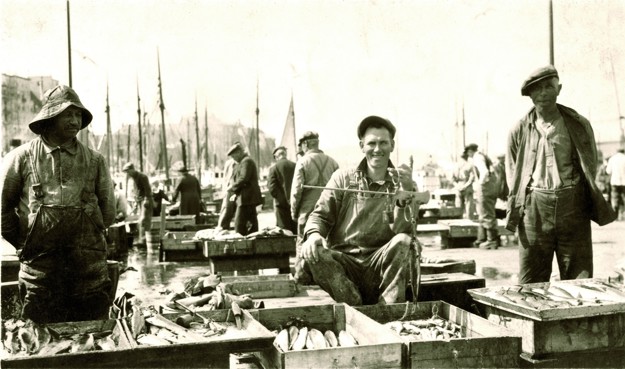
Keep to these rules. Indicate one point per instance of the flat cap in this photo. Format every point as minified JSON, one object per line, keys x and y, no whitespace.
{"x":128,"y":166}
{"x":375,"y":122}
{"x":236,"y":146}
{"x":536,"y":76}
{"x":278,"y":149}
{"x":309,"y":135}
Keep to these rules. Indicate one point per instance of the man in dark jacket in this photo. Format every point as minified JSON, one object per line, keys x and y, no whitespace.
{"x":246,"y":191}
{"x":190,"y":193}
{"x":279,"y":183}
{"x":57,"y":201}
{"x":551,"y":165}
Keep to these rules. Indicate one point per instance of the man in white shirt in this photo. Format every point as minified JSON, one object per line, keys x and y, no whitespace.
{"x":616,"y":171}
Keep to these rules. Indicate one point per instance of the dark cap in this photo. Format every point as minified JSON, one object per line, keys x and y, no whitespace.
{"x":278,"y":149}
{"x":235,"y":147}
{"x":55,"y":101}
{"x":376,"y":122}
{"x":183,"y":169}
{"x":128,"y":166}
{"x":310,"y":135}
{"x":536,"y":76}
{"x":472,"y":147}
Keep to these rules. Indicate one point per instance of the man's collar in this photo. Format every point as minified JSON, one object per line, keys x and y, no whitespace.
{"x":70,"y":147}
{"x":362,"y":168}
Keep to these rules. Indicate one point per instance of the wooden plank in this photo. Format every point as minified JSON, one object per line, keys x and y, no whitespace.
{"x":262,"y":286}
{"x":274,"y":245}
{"x":250,"y":262}
{"x":456,"y":266}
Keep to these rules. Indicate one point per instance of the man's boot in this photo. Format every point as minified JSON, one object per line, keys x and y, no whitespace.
{"x":493,"y":239}
{"x":481,"y":236}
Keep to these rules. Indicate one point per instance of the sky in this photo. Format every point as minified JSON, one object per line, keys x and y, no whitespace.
{"x":417,"y":63}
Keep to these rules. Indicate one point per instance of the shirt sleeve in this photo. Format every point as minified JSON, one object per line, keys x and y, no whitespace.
{"x":105,"y":193}
{"x":296,"y":189}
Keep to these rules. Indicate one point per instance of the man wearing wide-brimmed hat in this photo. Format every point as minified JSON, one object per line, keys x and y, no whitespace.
{"x":190,"y":193}
{"x":142,"y":201}
{"x":57,"y":201}
{"x":551,"y":165}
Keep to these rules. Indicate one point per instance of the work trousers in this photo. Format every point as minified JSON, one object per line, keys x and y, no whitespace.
{"x":228,"y":208}
{"x":283,"y":218}
{"x":466,"y":201}
{"x":555,"y":221}
{"x":486,"y":197}
{"x":245,"y":219}
{"x":378,"y":277}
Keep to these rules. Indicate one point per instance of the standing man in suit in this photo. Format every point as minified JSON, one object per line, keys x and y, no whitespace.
{"x":246,"y":191}
{"x":279,"y":183}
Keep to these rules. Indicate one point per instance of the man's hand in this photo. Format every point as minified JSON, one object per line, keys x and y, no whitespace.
{"x":310,"y":248}
{"x":403,"y":174}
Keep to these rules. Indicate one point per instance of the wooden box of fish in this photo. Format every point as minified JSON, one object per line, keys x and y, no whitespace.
{"x":174,"y":222}
{"x":439,"y":335}
{"x":447,"y":265}
{"x":173,"y":241}
{"x":203,"y":339}
{"x":274,"y":245}
{"x":327,"y":336}
{"x":232,"y":246}
{"x":558,"y":317}
{"x":98,"y":343}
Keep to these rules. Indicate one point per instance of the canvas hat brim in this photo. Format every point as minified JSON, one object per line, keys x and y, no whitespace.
{"x":57,"y":100}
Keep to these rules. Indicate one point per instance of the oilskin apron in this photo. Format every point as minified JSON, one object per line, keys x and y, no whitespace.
{"x":63,"y":273}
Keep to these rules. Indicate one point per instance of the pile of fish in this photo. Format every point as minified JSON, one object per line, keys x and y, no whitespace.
{"x":561,"y":294}
{"x":26,"y":338}
{"x":154,"y":329}
{"x":293,"y":339}
{"x":434,"y":328}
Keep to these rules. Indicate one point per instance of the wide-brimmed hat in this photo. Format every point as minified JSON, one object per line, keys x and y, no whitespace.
{"x":539,"y":74}
{"x":375,"y":121}
{"x":55,"y":101}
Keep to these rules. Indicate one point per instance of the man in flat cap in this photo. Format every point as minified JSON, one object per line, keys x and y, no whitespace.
{"x":142,"y":201}
{"x":551,"y":164}
{"x":228,"y":207}
{"x":354,"y":252}
{"x":485,"y":198}
{"x":246,"y":191}
{"x":314,"y":168}
{"x":279,"y":183}
{"x":57,"y":201}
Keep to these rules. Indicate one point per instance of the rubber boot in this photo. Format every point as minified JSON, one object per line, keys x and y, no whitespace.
{"x":493,"y":240}
{"x":481,"y":236}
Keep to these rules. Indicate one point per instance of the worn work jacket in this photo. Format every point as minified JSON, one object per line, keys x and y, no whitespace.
{"x":521,"y":160}
{"x":313,"y":169}
{"x":354,"y":220}
{"x":63,"y":173}
{"x":245,"y":184}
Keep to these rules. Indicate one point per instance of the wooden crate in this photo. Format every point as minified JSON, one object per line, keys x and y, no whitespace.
{"x":262,"y":286}
{"x":556,"y":330}
{"x":174,"y":222}
{"x":238,"y":246}
{"x":274,"y":245}
{"x":237,"y":262}
{"x":378,"y":347}
{"x":451,"y":266}
{"x":449,"y":287}
{"x":90,"y":359}
{"x":485,"y":344}
{"x":178,"y":241}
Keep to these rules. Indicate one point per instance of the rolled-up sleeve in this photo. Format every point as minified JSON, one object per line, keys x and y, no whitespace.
{"x":105,"y":194}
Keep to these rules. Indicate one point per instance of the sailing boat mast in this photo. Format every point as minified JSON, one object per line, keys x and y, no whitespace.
{"x":197,"y":145}
{"x":161,"y":105}
{"x":206,"y":154}
{"x":257,"y":140}
{"x":139,"y":128}
{"x":109,"y":135}
{"x":551,"y":52}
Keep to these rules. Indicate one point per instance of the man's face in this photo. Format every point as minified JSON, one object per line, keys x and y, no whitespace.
{"x":377,"y":145}
{"x":66,"y":125}
{"x":545,"y":93}
{"x":237,"y":156}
